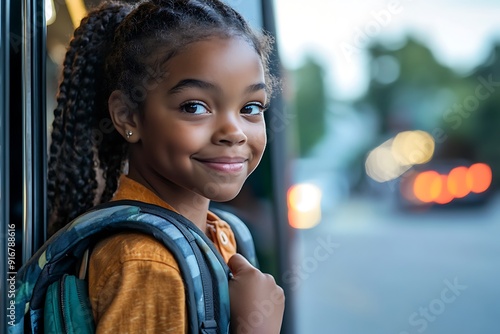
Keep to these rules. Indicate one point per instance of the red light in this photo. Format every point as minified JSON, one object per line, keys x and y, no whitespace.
{"x":427,"y":186}
{"x":458,"y":184}
{"x":430,"y":186}
{"x":444,"y":196}
{"x":479,"y":176}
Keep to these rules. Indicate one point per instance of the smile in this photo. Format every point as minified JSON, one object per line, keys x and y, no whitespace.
{"x":224,"y":164}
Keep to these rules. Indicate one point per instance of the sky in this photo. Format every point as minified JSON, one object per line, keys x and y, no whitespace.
{"x":459,"y":33}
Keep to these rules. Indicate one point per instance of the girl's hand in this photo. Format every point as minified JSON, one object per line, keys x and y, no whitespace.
{"x":257,"y":302}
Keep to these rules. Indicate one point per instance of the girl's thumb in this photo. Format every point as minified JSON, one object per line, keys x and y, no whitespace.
{"x":237,"y":263}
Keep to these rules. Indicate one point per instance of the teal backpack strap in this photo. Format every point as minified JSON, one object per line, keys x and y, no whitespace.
{"x":214,"y":318}
{"x":244,"y":241}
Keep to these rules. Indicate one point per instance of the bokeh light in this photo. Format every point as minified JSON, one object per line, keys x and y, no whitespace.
{"x":397,"y":155}
{"x":458,"y":184}
{"x":380,"y":164}
{"x":479,"y":176}
{"x":444,"y":196}
{"x":430,"y":186}
{"x":427,"y":186}
{"x":413,"y":147}
{"x":304,"y":205}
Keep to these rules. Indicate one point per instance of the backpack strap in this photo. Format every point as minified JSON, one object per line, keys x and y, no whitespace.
{"x":244,"y":241}
{"x":190,"y":247}
{"x":215,"y":318}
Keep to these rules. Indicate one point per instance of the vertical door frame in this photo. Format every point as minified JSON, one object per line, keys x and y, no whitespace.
{"x":4,"y":159}
{"x":34,"y":126}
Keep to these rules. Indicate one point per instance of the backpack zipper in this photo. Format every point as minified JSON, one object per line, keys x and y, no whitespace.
{"x":83,"y":305}
{"x":61,"y":303}
{"x":207,"y":287}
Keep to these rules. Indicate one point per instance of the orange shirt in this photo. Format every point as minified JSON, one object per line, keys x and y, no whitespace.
{"x":135,"y":284}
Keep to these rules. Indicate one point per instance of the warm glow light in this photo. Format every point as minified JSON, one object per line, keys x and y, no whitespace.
{"x":458,"y":184}
{"x":50,"y":12}
{"x":380,"y":164}
{"x":77,"y":11}
{"x":406,"y":187}
{"x":427,"y":186}
{"x":394,"y":157}
{"x":413,"y":147}
{"x":444,"y":196}
{"x":304,"y":197}
{"x":479,"y":177}
{"x":304,"y":205}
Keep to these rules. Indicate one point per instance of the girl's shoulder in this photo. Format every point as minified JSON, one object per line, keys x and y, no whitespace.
{"x":130,"y":271}
{"x":130,"y":246}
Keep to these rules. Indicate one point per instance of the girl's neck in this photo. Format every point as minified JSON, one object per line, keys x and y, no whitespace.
{"x":188,"y":203}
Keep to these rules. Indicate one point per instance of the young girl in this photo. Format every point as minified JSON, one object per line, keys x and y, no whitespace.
{"x":173,"y":92}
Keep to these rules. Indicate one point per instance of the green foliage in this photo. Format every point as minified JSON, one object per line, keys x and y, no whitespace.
{"x":309,"y":104}
{"x":413,"y":98}
{"x":485,"y":119}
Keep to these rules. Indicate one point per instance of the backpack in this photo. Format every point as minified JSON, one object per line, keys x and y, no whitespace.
{"x":50,"y":297}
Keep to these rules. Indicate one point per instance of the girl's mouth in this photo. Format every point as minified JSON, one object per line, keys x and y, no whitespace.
{"x":224,"y":164}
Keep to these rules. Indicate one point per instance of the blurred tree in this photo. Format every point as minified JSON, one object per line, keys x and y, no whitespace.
{"x":309,"y":103}
{"x":481,"y":112}
{"x":408,"y":88}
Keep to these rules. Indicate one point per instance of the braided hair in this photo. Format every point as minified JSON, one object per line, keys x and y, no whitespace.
{"x":116,"y":47}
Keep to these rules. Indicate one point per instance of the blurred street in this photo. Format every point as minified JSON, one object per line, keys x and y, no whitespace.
{"x":370,"y":268}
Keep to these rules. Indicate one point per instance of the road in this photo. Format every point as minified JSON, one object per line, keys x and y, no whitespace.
{"x":369,"y":268}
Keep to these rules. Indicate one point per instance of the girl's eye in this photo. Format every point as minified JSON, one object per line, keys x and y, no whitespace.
{"x":195,"y":108}
{"x":253,"y":109}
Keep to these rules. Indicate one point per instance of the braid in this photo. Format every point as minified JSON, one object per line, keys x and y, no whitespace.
{"x":119,"y":47}
{"x":57,"y":125}
{"x":72,"y":179}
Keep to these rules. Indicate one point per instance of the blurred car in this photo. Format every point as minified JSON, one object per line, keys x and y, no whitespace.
{"x":445,"y":183}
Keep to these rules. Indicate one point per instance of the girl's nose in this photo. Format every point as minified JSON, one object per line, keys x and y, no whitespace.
{"x":229,"y":131}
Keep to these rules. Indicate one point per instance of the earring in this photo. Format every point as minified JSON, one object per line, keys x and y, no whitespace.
{"x":128,"y":134}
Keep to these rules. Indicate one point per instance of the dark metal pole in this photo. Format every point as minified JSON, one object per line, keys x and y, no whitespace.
{"x":4,"y":159}
{"x":281,"y":174}
{"x":34,"y":142}
{"x":39,"y":126}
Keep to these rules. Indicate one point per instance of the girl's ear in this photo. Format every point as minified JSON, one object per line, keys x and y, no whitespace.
{"x":126,"y":121}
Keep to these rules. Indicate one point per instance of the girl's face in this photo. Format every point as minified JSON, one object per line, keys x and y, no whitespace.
{"x":203,"y":127}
